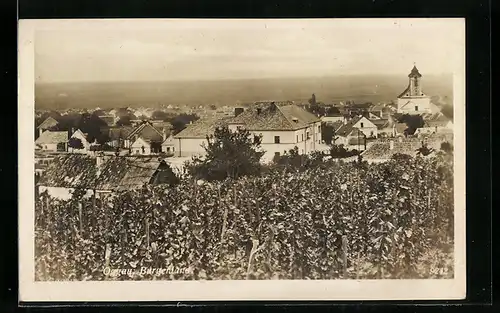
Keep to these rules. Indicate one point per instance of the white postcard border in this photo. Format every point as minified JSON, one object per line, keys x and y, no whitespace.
{"x":29,"y":290}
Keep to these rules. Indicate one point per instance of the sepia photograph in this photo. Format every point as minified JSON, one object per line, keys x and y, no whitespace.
{"x":203,"y":159}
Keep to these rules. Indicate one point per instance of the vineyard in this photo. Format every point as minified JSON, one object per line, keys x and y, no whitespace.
{"x":337,"y":220}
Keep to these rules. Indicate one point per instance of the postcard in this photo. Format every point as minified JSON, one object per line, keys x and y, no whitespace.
{"x":242,"y":159}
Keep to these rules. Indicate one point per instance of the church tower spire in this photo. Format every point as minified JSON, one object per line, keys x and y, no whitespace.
{"x":415,"y":87}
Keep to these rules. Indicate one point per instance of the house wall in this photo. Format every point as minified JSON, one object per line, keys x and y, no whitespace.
{"x":423,"y":103}
{"x":186,"y":147}
{"x":136,"y":148}
{"x":86,"y":144}
{"x":332,"y":119}
{"x":369,"y":129}
{"x":62,"y":193}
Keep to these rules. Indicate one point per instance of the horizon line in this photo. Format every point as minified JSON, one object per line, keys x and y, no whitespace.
{"x":228,"y":78}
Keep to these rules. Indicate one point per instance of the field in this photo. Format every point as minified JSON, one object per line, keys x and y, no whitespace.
{"x":229,"y":92}
{"x":336,"y":221}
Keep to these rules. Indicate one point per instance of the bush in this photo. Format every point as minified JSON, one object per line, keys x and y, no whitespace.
{"x":228,"y":155}
{"x":391,"y":215}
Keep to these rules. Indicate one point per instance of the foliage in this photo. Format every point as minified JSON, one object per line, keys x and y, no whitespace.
{"x":446,"y":147}
{"x":339,"y":151}
{"x":412,"y":121}
{"x":424,"y":150}
{"x":395,"y":218}
{"x":161,"y":115}
{"x":75,"y":143}
{"x":180,"y":121}
{"x":228,"y":155}
{"x":124,"y":121}
{"x":293,"y":160}
{"x":327,"y":133}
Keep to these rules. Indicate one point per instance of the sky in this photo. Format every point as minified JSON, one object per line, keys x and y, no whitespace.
{"x":161,"y":50}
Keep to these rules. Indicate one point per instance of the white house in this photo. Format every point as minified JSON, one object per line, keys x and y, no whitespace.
{"x":140,"y":147}
{"x":413,"y":100}
{"x":367,"y":127}
{"x":440,"y":125}
{"x":52,"y":141}
{"x":153,"y":136}
{"x":282,"y":126}
{"x":78,"y":134}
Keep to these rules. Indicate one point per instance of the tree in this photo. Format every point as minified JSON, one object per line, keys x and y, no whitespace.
{"x":446,"y":147}
{"x":228,"y":155}
{"x":91,"y":125}
{"x":124,"y":121}
{"x":412,"y":121}
{"x":213,"y":107}
{"x":327,"y":133}
{"x":180,"y":121}
{"x":160,"y":115}
{"x":75,"y":143}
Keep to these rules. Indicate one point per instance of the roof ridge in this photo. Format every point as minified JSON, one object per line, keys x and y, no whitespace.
{"x":284,"y":115}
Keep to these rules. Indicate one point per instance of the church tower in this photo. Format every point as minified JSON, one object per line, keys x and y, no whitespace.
{"x":413,"y":100}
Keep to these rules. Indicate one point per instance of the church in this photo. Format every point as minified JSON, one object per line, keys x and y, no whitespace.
{"x":413,"y":100}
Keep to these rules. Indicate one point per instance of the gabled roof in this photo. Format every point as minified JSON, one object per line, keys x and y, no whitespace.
{"x":116,"y":173}
{"x":70,"y":171}
{"x":52,"y":137}
{"x":119,"y":132}
{"x":139,"y":142}
{"x":147,"y":131}
{"x":201,"y":128}
{"x":48,"y":122}
{"x":347,"y":128}
{"x":122,"y":173}
{"x":272,"y":116}
{"x":108,"y":119}
{"x":336,"y":125}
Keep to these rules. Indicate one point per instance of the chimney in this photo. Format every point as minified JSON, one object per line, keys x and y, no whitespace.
{"x":238,"y":111}
{"x":391,"y":145}
{"x":99,"y":159}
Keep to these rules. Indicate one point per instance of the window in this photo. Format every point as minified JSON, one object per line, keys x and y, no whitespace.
{"x":371,"y":133}
{"x":173,"y":149}
{"x":416,"y":108}
{"x":276,"y":139}
{"x":136,"y":151}
{"x":143,"y":149}
{"x":168,"y":149}
{"x":362,"y":125}
{"x":307,"y":135}
{"x":319,"y":129}
{"x":297,"y":138}
{"x":302,"y":137}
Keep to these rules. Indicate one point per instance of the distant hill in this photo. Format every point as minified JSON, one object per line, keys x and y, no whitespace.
{"x":229,"y":92}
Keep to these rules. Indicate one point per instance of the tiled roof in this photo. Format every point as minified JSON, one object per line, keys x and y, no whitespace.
{"x":272,"y":116}
{"x":119,"y":132}
{"x":201,"y":128}
{"x":71,"y":170}
{"x":147,"y":131}
{"x":337,"y":125}
{"x":52,"y":137}
{"x":116,"y":173}
{"x":48,"y":122}
{"x":346,"y":129}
